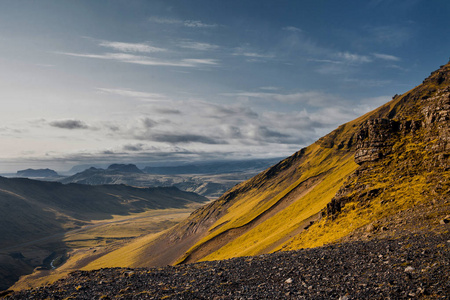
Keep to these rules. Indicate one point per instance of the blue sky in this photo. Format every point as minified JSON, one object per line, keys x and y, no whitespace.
{"x":86,"y":82}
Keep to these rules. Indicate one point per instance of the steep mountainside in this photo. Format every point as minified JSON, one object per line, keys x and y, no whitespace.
{"x":362,"y":175}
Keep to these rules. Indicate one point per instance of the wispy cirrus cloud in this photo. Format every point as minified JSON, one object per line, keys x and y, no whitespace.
{"x":368,"y":82}
{"x":134,"y":94}
{"x":198,"y":24}
{"x":292,"y":29}
{"x":386,"y":57}
{"x":251,"y":54}
{"x":146,"y":60}
{"x":200,"y":61}
{"x":185,"y":23}
{"x":198,"y":46}
{"x":353,"y":58}
{"x":131,"y":47}
{"x":392,"y":35}
{"x":312,"y":98}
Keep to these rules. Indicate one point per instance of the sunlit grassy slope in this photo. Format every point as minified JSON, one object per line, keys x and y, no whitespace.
{"x":270,"y":210}
{"x":415,"y":172}
{"x":265,"y":213}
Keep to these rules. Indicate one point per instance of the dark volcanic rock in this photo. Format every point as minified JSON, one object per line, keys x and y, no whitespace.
{"x":414,"y":266}
{"x":37,"y":173}
{"x":372,"y":139}
{"x":130,"y":168}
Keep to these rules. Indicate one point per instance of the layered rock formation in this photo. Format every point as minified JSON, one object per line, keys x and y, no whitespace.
{"x":408,"y":139}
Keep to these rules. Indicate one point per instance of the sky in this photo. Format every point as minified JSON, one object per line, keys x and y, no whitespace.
{"x":166,"y":81}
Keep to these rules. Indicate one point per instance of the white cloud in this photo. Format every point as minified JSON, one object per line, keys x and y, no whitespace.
{"x":145,"y":60}
{"x":325,"y":61}
{"x":131,"y":47}
{"x":386,"y":57}
{"x":292,"y":29}
{"x":185,"y":23}
{"x":312,"y":98}
{"x":160,"y":20}
{"x":198,"y":46}
{"x":200,"y":61}
{"x":198,"y":24}
{"x":240,"y":52}
{"x":353,"y":58}
{"x":251,"y":53}
{"x":368,"y":82}
{"x":134,"y":94}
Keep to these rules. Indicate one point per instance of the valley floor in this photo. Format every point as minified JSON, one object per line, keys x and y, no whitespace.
{"x":410,"y":266}
{"x":77,"y":248}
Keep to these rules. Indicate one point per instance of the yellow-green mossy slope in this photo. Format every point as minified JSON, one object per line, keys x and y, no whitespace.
{"x":404,"y":153}
{"x":384,"y":162}
{"x":387,"y":161}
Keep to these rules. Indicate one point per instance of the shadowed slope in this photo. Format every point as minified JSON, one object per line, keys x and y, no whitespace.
{"x":33,"y":212}
{"x":50,"y":207}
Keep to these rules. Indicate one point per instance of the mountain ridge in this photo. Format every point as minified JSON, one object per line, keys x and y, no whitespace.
{"x":208,"y":179}
{"x":212,"y":232}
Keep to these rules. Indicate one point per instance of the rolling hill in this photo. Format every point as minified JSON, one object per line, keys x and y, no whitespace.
{"x":32,"y":210}
{"x":51,"y":207}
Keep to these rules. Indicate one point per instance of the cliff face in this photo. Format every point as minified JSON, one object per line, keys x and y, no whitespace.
{"x":403,"y":152}
{"x":408,"y":141}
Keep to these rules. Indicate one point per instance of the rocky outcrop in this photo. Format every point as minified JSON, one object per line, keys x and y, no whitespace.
{"x":373,"y":139}
{"x":436,"y":123}
{"x":405,"y":139}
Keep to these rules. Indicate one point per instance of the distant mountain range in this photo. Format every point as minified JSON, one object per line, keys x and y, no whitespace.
{"x":210,"y":179}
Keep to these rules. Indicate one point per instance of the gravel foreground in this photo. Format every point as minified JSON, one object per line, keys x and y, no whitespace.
{"x":414,"y":266}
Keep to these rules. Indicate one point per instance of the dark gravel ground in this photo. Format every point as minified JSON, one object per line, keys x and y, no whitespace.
{"x":414,"y":266}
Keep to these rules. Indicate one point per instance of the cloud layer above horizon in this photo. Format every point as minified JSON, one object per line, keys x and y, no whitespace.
{"x":88,"y":82}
